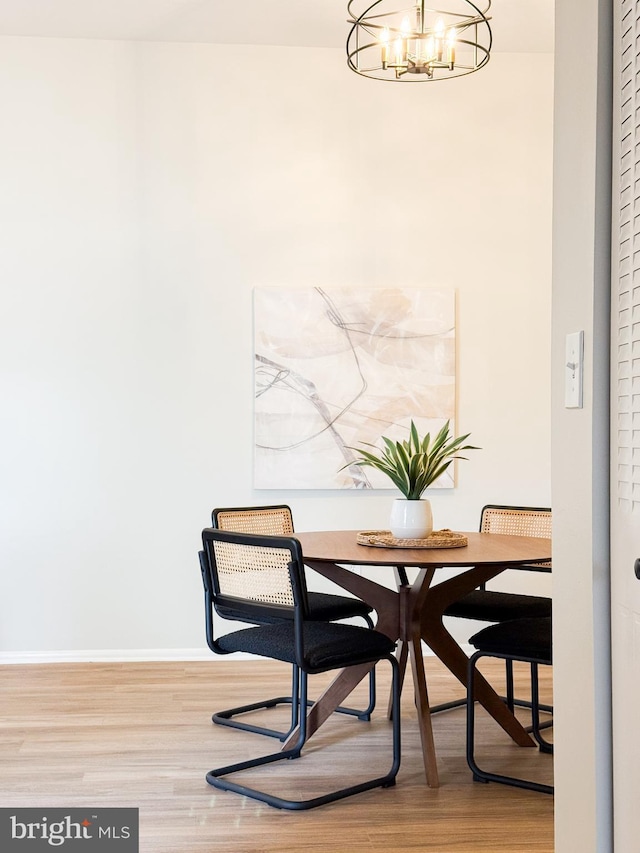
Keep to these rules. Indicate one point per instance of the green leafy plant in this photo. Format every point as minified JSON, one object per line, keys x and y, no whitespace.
{"x":413,"y":465}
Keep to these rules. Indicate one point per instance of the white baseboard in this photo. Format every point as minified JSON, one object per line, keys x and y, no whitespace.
{"x":106,"y":656}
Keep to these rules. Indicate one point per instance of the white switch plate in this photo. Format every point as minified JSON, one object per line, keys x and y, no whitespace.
{"x":573,"y":370}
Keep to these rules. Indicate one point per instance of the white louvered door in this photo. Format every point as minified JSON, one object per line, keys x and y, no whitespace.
{"x":625,"y":428}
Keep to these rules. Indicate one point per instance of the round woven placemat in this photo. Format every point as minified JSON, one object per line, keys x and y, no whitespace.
{"x":437,"y":539}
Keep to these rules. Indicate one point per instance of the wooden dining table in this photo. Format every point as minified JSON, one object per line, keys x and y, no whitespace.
{"x":412,"y":611}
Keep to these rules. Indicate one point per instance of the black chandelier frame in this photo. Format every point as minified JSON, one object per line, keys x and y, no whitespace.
{"x":365,"y":48}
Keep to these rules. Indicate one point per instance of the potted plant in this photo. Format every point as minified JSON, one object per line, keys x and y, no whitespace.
{"x":413,"y":465}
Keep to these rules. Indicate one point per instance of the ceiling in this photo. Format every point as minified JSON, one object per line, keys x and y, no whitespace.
{"x":518,"y":25}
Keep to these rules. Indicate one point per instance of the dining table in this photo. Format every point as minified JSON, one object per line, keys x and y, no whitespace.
{"x":411,"y":611}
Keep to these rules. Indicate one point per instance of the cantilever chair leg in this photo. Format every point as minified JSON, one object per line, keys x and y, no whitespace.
{"x":510,"y":701}
{"x":480,"y":775}
{"x":544,"y":745}
{"x":226,"y":718}
{"x":218,"y":777}
{"x":534,"y":705}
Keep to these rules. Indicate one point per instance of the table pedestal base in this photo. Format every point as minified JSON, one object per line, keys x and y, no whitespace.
{"x":410,"y":614}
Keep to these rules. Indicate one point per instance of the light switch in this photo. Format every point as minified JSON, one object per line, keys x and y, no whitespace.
{"x":573,"y":370}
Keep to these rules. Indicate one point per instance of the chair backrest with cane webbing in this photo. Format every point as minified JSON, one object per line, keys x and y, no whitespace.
{"x":518,"y":521}
{"x":261,"y":520}
{"x":247,"y":572}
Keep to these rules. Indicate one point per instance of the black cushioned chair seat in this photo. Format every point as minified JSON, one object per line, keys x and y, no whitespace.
{"x":527,"y":638}
{"x":491,"y":606}
{"x":326,"y":645}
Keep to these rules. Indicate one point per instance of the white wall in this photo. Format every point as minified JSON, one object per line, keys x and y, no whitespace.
{"x":146,"y":189}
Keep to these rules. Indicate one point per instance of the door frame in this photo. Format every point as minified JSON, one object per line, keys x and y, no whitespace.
{"x":580,"y":437}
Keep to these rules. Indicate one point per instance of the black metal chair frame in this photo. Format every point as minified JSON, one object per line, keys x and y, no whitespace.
{"x":227,"y":717}
{"x":479,"y":774}
{"x":364,"y":646}
{"x":509,"y":698}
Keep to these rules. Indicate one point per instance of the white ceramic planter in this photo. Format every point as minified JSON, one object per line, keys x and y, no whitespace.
{"x":411,"y":519}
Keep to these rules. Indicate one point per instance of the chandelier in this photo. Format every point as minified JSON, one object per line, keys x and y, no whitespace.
{"x":418,"y":44}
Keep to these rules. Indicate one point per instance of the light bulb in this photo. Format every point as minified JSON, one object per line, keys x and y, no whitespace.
{"x":430,"y":48}
{"x":451,"y":47}
{"x":398,"y":51}
{"x":439,"y":39}
{"x":384,"y":44}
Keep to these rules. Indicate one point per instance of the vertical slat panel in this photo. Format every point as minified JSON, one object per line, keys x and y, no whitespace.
{"x":626,"y":396}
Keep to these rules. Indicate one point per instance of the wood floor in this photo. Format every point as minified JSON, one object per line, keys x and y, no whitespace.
{"x":140,"y":735}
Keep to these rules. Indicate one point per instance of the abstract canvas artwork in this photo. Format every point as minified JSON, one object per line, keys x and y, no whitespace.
{"x":338,"y":366}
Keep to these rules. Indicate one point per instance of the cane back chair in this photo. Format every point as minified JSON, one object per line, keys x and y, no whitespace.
{"x":278,"y":521}
{"x":262,"y":580}
{"x":495,"y":606}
